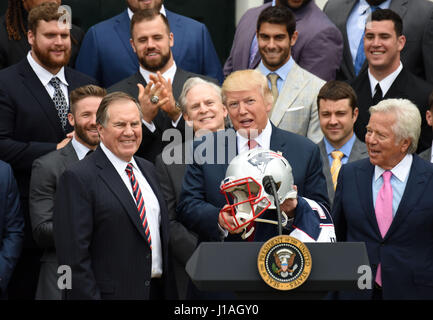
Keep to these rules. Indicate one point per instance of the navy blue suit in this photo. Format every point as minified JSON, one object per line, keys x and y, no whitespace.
{"x":406,"y":252}
{"x":201,"y":200}
{"x":11,"y":226}
{"x":106,"y":53}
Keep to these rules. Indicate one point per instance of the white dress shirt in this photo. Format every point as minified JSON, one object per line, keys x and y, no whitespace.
{"x":80,"y":149}
{"x":150,"y":201}
{"x":385,"y":83}
{"x":263,"y":139}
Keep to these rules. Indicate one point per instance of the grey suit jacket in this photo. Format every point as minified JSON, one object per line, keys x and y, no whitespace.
{"x":426,"y":155}
{"x":46,"y":172}
{"x":417,"y":16}
{"x":358,"y":152}
{"x":296,"y":107}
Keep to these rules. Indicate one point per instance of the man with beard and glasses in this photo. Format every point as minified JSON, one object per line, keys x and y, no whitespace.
{"x":47,"y":170}
{"x":33,"y":118}
{"x":106,"y":55}
{"x":158,"y":82}
{"x":417,"y":15}
{"x":318,"y":50}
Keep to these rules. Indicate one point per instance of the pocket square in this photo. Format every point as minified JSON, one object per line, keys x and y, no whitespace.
{"x":289,"y":109}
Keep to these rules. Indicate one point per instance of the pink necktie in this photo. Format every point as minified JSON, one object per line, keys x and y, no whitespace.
{"x":384,"y":213}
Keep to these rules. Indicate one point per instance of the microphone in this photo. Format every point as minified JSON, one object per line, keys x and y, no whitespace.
{"x":270,"y":188}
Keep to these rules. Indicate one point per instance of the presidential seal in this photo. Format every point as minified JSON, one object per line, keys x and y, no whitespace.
{"x":284,"y":262}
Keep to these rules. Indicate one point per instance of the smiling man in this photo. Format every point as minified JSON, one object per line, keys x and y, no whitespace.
{"x":34,"y":106}
{"x":386,"y":76}
{"x":337,"y":113}
{"x":110,"y":217}
{"x":385,"y":201}
{"x":47,"y":170}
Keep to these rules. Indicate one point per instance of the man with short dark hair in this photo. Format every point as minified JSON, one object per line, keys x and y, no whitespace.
{"x":338,"y":112}
{"x":47,"y":170}
{"x":427,"y":154}
{"x":33,"y":118}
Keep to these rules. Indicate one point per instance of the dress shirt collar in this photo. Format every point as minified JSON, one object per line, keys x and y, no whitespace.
{"x":43,"y":74}
{"x":282,"y":72}
{"x":364,"y":6}
{"x":119,"y":164}
{"x":162,"y":11}
{"x":80,"y":149}
{"x":346,"y":148}
{"x":263,"y":139}
{"x":169,"y":74}
{"x":431,"y":154}
{"x":400,"y":171}
{"x":385,"y":83}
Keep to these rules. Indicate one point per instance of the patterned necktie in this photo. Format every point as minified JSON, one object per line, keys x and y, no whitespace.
{"x":273,"y":77}
{"x":140,"y":202}
{"x":360,"y":54}
{"x":336,"y":166}
{"x":251,"y":145}
{"x":378,"y":95}
{"x":383,"y":211}
{"x":60,"y":102}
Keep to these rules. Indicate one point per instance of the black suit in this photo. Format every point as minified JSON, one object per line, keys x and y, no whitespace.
{"x":13,"y":51}
{"x":152,"y":143}
{"x":29,"y":128}
{"x":98,"y":233}
{"x":406,"y":86}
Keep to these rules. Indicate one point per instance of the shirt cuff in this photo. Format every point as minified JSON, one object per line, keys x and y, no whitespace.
{"x":150,"y":126}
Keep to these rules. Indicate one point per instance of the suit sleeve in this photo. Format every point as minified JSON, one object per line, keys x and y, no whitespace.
{"x":193,"y":210}
{"x":337,"y":212}
{"x":88,"y":57}
{"x":314,"y":132}
{"x":18,"y":153}
{"x":212,"y":65}
{"x":73,"y":227}
{"x":13,"y":222}
{"x":322,"y":55}
{"x":427,"y":48}
{"x":182,"y":241}
{"x":41,"y":203}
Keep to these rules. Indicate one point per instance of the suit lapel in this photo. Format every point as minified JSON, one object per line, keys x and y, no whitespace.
{"x":359,"y":151}
{"x":399,"y":6}
{"x":179,"y":79}
{"x":415,"y":182}
{"x":34,"y":86}
{"x":346,"y":9}
{"x":113,"y":182}
{"x":121,"y":27}
{"x":292,"y":87}
{"x":69,"y":155}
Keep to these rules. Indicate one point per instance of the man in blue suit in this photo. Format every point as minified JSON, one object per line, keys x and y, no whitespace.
{"x":385,"y":201}
{"x":106,"y":53}
{"x":248,"y":100}
{"x":11,"y":226}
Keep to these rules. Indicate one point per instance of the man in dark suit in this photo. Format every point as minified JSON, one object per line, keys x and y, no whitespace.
{"x":202,"y":108}
{"x":318,"y":50}
{"x":385,"y":201}
{"x":161,"y":77}
{"x":338,"y":112}
{"x":350,"y":16}
{"x":47,"y":170}
{"x":386,"y":76}
{"x":110,"y":217}
{"x":107,"y":55}
{"x":11,"y":226}
{"x":248,"y":100}
{"x":13,"y":33}
{"x":427,"y":154}
{"x":33,"y":118}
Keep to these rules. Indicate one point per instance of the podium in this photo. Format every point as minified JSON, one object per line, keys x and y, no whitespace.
{"x":232,"y":267}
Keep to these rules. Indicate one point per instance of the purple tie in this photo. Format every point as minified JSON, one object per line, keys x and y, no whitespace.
{"x":384,"y":213}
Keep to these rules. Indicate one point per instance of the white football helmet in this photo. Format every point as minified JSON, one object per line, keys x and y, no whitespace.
{"x":243,"y":186}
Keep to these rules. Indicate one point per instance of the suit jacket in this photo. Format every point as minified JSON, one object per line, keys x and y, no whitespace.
{"x":406,"y":251}
{"x":29,"y":124}
{"x":201,"y":201}
{"x":426,"y":155}
{"x":417,"y":16}
{"x":13,"y":51}
{"x":359,"y":151}
{"x":406,"y":86}
{"x":296,"y":107}
{"x":319,"y":47}
{"x":107,"y":55}
{"x":11,"y":226}
{"x":182,"y":241}
{"x":98,"y":232}
{"x":46,"y":172}
{"x":152,"y":143}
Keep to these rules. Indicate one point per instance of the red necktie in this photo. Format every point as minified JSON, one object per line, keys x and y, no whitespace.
{"x":251,"y":145}
{"x":139,"y":201}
